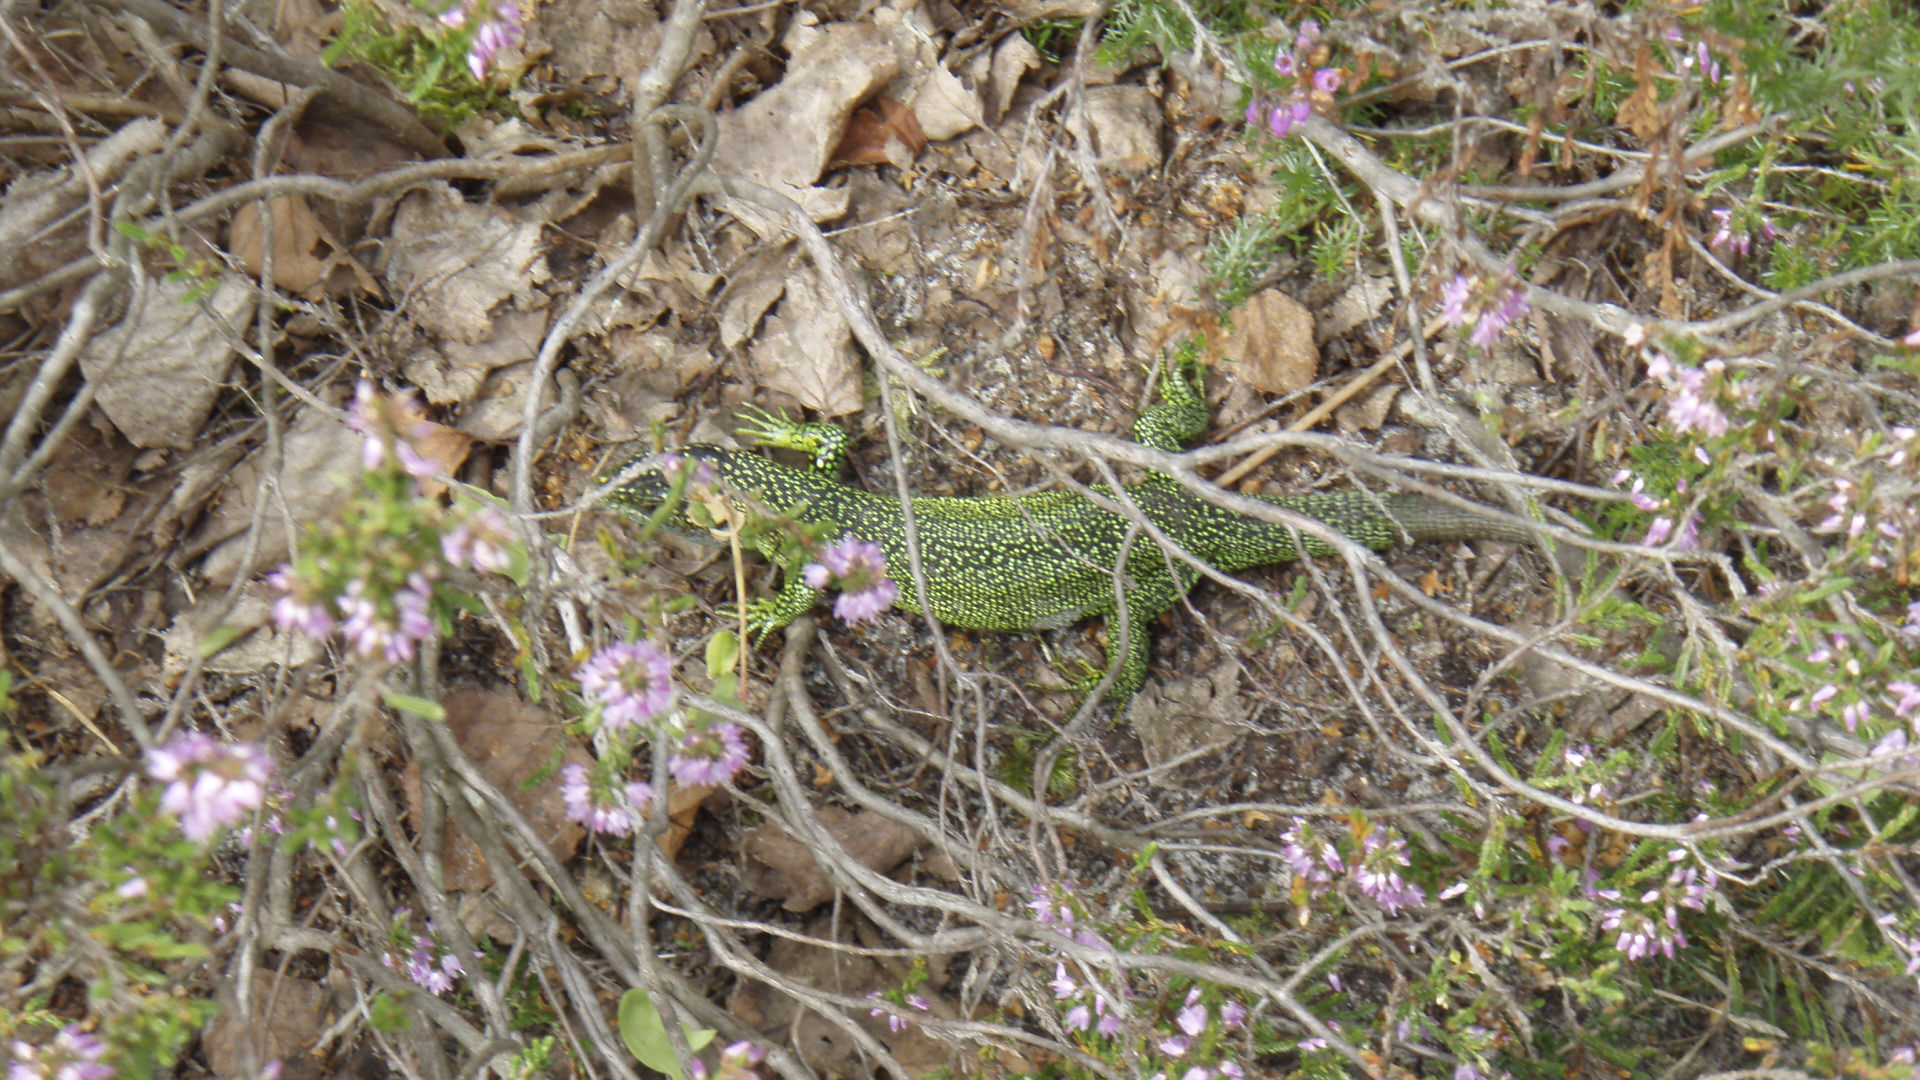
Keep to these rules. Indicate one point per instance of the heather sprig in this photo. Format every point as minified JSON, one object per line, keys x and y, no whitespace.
{"x":1485,"y":306}
{"x":1307,"y":85}
{"x":382,"y":574}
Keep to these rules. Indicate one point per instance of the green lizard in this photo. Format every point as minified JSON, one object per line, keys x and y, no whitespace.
{"x":1046,"y":560}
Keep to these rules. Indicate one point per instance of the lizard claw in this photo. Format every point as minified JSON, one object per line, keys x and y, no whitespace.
{"x":763,"y":618}
{"x":768,"y":428}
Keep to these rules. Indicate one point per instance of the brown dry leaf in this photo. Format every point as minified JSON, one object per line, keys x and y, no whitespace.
{"x":1272,"y":342}
{"x":305,"y":254}
{"x":884,"y":133}
{"x":820,"y":1043}
{"x":945,"y":107}
{"x":287,"y":1018}
{"x":454,"y":261}
{"x":1187,"y":714}
{"x":159,"y":369}
{"x":781,"y":867}
{"x":1012,"y":59}
{"x":86,"y":480}
{"x":456,"y":370}
{"x":784,"y":137}
{"x":508,"y":741}
{"x":1431,"y":584}
{"x":806,"y":351}
{"x":683,"y":809}
{"x":319,"y":452}
{"x":1362,"y":302}
{"x":1368,"y":413}
{"x":749,"y":294}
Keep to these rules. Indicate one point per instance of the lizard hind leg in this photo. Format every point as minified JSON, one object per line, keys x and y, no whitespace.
{"x":1181,"y":416}
{"x":824,"y":444}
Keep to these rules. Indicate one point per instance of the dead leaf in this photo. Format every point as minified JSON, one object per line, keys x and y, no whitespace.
{"x":508,"y":741}
{"x":158,"y":370}
{"x":1369,"y":413}
{"x":1012,"y":59}
{"x":784,"y":137}
{"x":305,"y":254}
{"x":1176,"y":718}
{"x":683,"y":810}
{"x":455,"y":371}
{"x":1272,"y":342}
{"x":884,"y":133}
{"x":945,"y":107}
{"x":320,"y":451}
{"x":86,"y":480}
{"x":287,"y":1018}
{"x":749,"y":294}
{"x":781,"y":867}
{"x":807,"y":352}
{"x":453,"y":261}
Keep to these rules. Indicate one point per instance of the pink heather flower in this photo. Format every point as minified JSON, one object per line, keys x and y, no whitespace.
{"x":1912,"y":340}
{"x":1110,"y":1023}
{"x":1326,"y":80}
{"x":1378,"y":873}
{"x":1063,"y":985}
{"x":1175,"y":1046}
{"x":1079,"y":1018}
{"x":1193,"y":1018}
{"x":210,"y":784}
{"x":297,"y":609}
{"x":597,"y":807}
{"x":1299,"y":847}
{"x":435,"y":976}
{"x":895,"y":1021}
{"x":72,"y":1055}
{"x":1233,"y":1015}
{"x":710,"y":758}
{"x":1659,"y":531}
{"x":631,"y":683}
{"x":394,"y":421}
{"x":1908,"y":695}
{"x":499,"y":32}
{"x":1727,"y":238}
{"x":1454,"y":300}
{"x":480,"y":542}
{"x":859,"y":568}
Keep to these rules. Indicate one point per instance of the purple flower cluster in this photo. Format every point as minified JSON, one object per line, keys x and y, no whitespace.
{"x":499,"y":28}
{"x":435,"y":973}
{"x":1314,"y":860}
{"x":1313,"y":87}
{"x":897,"y":1021}
{"x":1653,"y":925}
{"x":1691,"y":404}
{"x":630,"y":683}
{"x":859,"y":568}
{"x":72,"y":1055}
{"x":1710,"y":69}
{"x":601,"y":803}
{"x":1730,"y":235}
{"x":1490,"y":305}
{"x":710,"y":756}
{"x":1382,"y":856}
{"x":373,"y":576}
{"x":1661,"y":529}
{"x":210,"y":784}
{"x":392,"y":424}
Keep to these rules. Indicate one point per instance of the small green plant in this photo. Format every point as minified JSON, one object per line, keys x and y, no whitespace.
{"x":443,"y":67}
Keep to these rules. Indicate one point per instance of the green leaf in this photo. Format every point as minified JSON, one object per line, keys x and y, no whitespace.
{"x":418,"y":706}
{"x":646,"y":1034}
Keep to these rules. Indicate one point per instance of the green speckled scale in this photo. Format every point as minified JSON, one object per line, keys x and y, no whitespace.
{"x":1036,"y":562}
